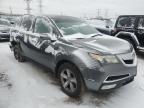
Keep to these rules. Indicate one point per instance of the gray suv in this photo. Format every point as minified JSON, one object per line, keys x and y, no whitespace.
{"x":76,"y":52}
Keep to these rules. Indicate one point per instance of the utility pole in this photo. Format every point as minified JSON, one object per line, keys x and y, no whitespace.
{"x":98,"y":13}
{"x":10,"y":10}
{"x":40,"y":6}
{"x":28,"y":6}
{"x":106,"y":13}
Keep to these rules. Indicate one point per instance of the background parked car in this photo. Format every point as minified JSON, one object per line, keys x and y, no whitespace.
{"x":10,"y":17}
{"x":104,"y":26}
{"x":4,"y":29}
{"x":130,"y":28}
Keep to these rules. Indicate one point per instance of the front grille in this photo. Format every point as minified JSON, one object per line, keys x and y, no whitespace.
{"x":128,"y":61}
{"x":112,"y":78}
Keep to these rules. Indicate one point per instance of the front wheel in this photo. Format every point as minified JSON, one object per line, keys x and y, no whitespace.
{"x":70,"y":80}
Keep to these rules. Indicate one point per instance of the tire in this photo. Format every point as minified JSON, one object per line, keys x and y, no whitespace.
{"x":70,"y":80}
{"x":17,"y":54}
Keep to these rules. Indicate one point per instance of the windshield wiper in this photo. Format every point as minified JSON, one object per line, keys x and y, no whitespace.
{"x":99,"y":34}
{"x":80,"y":38}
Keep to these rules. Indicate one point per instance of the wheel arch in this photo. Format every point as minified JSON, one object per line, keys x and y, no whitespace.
{"x":128,"y":36}
{"x":61,"y":62}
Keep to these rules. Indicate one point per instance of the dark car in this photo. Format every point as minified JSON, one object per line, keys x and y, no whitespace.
{"x":130,"y":28}
{"x":76,"y":52}
{"x":4,"y":29}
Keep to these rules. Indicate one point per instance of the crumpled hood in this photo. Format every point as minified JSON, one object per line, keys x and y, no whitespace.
{"x":104,"y":44}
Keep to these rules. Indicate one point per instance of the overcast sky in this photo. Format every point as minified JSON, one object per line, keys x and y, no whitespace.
{"x":77,"y":7}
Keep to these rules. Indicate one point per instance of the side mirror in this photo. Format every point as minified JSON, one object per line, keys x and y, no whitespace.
{"x":47,"y":36}
{"x":12,"y":22}
{"x":107,"y":26}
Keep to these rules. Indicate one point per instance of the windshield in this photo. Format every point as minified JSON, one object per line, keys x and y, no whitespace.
{"x":3,"y":22}
{"x":126,"y":22}
{"x":71,"y":25}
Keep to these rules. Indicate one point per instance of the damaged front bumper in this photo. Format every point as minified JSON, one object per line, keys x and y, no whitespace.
{"x":110,"y":79}
{"x":116,"y":84}
{"x":111,"y":76}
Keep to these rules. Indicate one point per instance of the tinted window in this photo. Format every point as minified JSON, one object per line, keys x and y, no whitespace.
{"x":42,"y":26}
{"x":72,"y":25}
{"x":126,"y":22}
{"x":141,"y":23}
{"x":27,"y":22}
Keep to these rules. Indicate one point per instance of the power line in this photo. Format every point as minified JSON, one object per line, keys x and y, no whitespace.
{"x":10,"y":8}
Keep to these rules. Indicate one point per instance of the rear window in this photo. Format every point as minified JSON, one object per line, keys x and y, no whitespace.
{"x":126,"y":22}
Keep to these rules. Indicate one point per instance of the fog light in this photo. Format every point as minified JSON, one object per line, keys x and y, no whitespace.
{"x":108,"y":86}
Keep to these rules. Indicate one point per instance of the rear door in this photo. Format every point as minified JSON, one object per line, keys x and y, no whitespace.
{"x":23,"y":34}
{"x":140,"y":31}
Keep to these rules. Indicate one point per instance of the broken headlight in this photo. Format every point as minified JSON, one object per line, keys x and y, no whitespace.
{"x":104,"y":58}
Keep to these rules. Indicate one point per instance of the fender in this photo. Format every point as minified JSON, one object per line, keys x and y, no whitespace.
{"x":76,"y":60}
{"x":81,"y":60}
{"x":128,"y":35}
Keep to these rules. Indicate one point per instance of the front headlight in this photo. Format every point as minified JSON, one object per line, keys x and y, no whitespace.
{"x":105,"y":58}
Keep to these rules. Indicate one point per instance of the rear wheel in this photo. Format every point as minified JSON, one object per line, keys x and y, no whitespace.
{"x":17,"y":54}
{"x":70,"y":80}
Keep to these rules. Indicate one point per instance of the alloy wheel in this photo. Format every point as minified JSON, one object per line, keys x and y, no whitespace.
{"x":68,"y":80}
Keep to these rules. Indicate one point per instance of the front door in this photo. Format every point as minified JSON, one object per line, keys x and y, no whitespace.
{"x":42,"y":48}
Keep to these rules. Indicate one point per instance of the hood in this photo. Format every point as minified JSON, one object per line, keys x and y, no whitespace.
{"x":103,"y":44}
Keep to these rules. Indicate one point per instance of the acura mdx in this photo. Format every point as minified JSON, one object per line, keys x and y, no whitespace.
{"x":79,"y":55}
